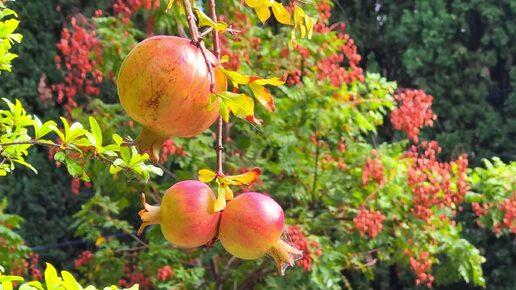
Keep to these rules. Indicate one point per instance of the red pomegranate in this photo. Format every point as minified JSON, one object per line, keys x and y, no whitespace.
{"x":251,"y":225}
{"x":186,"y":214}
{"x":164,"y":84}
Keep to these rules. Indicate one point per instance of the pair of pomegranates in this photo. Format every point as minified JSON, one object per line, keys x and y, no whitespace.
{"x":250,"y":225}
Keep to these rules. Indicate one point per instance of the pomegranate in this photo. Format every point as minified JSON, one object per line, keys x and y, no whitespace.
{"x":251,"y":226}
{"x":164,"y":84}
{"x":186,"y":214}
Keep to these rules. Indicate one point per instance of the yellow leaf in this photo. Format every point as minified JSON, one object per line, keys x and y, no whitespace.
{"x":241,"y":105}
{"x":204,"y":20}
{"x":255,"y":3}
{"x":275,"y":81}
{"x":263,"y":13}
{"x":220,"y":203}
{"x":100,"y":241}
{"x":263,"y":96}
{"x":281,"y":13}
{"x":235,"y":77}
{"x":206,"y":175}
{"x":169,"y":5}
{"x":224,"y":59}
{"x":310,"y":23}
{"x":242,"y":179}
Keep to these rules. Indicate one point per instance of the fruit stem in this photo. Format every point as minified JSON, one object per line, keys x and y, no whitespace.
{"x":284,"y":255}
{"x":150,"y":142}
{"x":150,"y":215}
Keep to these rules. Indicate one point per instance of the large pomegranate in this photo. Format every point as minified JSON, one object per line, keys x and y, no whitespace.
{"x":186,"y":214}
{"x":251,"y":225}
{"x":164,"y":84}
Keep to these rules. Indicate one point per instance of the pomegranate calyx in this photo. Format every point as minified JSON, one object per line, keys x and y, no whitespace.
{"x":284,"y":255}
{"x":150,"y":142}
{"x":149,"y":215}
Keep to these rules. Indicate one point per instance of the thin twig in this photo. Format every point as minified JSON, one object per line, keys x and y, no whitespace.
{"x":30,"y":142}
{"x":220,"y":123}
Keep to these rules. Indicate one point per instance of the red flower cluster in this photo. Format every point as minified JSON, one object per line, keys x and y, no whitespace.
{"x":369,"y":221}
{"x":76,"y":185}
{"x":165,"y":273}
{"x":81,"y":70}
{"x":309,"y":248}
{"x":373,"y":168}
{"x":422,"y":266}
{"x":169,"y":148}
{"x":332,"y":66}
{"x":509,"y":218}
{"x":27,"y":266}
{"x":435,"y":183}
{"x":83,"y":259}
{"x":133,"y":275}
{"x":126,"y":8}
{"x":413,"y":113}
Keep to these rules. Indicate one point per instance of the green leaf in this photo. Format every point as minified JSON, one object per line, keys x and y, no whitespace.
{"x":69,"y":281}
{"x":204,"y":20}
{"x":51,"y":279}
{"x":95,"y":129}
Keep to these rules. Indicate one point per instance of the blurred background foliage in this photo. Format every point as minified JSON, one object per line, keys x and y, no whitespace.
{"x":458,"y":51}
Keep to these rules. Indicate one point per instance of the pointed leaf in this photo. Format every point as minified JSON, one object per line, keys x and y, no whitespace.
{"x":242,"y":179}
{"x":95,"y":129}
{"x":263,"y":13}
{"x":241,"y":105}
{"x":255,"y":3}
{"x":204,"y":20}
{"x":281,"y":13}
{"x":206,"y":175}
{"x":263,"y":96}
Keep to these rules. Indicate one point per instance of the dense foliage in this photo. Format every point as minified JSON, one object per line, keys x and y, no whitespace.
{"x":363,"y":211}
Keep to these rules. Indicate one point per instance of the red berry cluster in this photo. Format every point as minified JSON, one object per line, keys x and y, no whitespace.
{"x":373,"y":168}
{"x":133,"y":275}
{"x":324,"y":11}
{"x":368,"y":221}
{"x":434,"y":183}
{"x":83,"y":259}
{"x":76,"y":185}
{"x":165,"y":273}
{"x":309,"y":248}
{"x":413,"y":113}
{"x":332,"y":66}
{"x":509,"y":218}
{"x":422,"y":265}
{"x":169,"y":148}
{"x":81,"y":70}
{"x":27,"y":266}
{"x":126,"y":8}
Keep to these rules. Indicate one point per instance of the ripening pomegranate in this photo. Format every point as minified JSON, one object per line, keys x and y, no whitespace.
{"x":164,"y":84}
{"x":251,"y":225}
{"x":186,"y":214}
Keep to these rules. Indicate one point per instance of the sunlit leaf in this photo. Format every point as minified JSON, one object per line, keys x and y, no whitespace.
{"x":241,"y":179}
{"x":281,"y":13}
{"x":255,"y":3}
{"x":205,"y":20}
{"x":263,"y":13}
{"x":206,"y":175}
{"x":263,"y":96}
{"x":235,"y":77}
{"x":241,"y":105}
